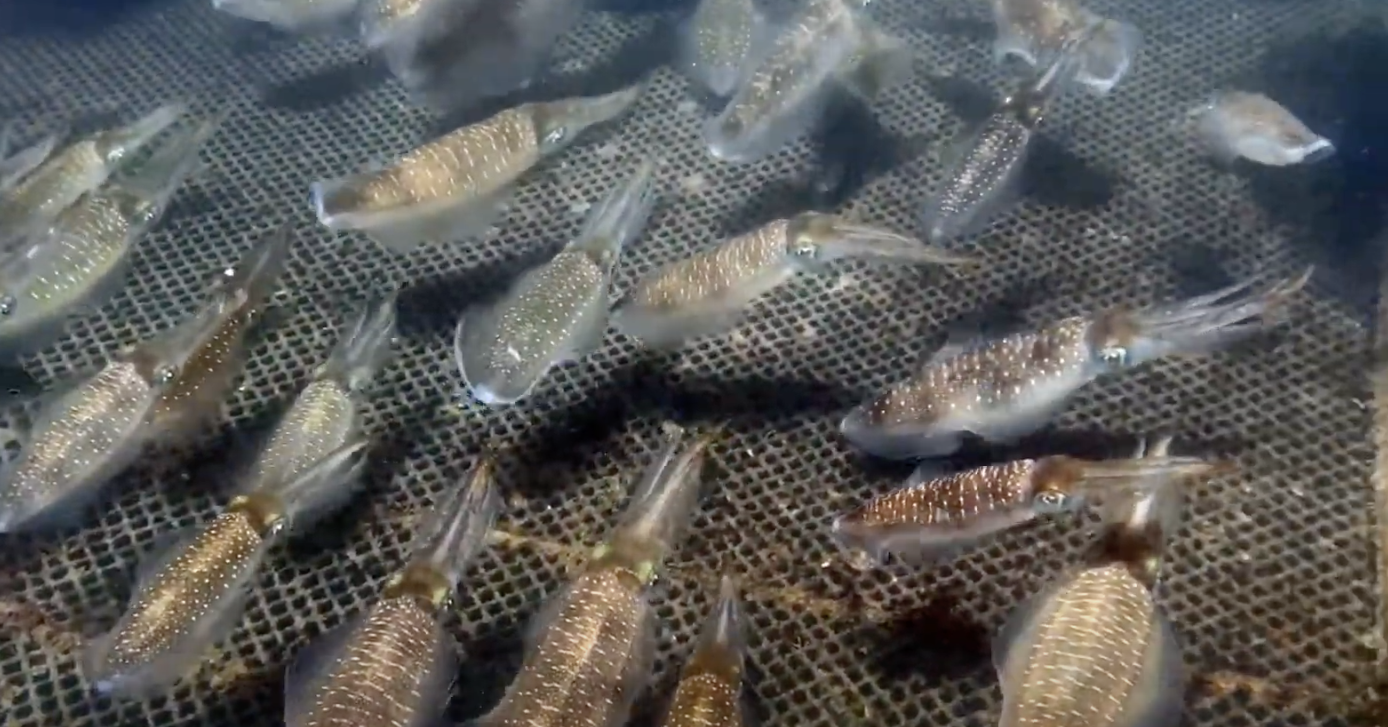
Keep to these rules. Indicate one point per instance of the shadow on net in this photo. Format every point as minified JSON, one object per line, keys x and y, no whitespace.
{"x":1085,"y":185}
{"x":630,"y":63}
{"x":849,"y":151}
{"x":645,"y":387}
{"x":327,"y":86}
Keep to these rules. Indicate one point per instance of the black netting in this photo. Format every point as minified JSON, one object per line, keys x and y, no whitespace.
{"x":1272,"y":585}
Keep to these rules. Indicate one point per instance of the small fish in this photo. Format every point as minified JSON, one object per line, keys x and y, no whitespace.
{"x":934,"y":517}
{"x":456,"y":53}
{"x":77,"y":169}
{"x":81,"y":260}
{"x":1003,"y":389}
{"x":393,"y":665}
{"x":14,"y":167}
{"x":1236,"y":124}
{"x":455,"y":186}
{"x":90,"y":431}
{"x":829,"y":46}
{"x":983,"y":170}
{"x":709,"y":692}
{"x":590,"y":650}
{"x":709,"y":292}
{"x":717,"y":42}
{"x":294,"y":16}
{"x":1035,"y":30}
{"x":558,"y":311}
{"x":1094,"y":648}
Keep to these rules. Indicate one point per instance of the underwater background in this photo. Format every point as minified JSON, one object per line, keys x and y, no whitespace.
{"x":1274,"y":584}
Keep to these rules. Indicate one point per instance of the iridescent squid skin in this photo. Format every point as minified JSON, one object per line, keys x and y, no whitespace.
{"x":194,"y":393}
{"x":556,"y":312}
{"x":1236,"y":124}
{"x":392,"y":666}
{"x":81,"y":260}
{"x":325,"y":420}
{"x":16,"y":165}
{"x":710,"y":688}
{"x":1035,"y":30}
{"x":592,"y":648}
{"x":193,"y":591}
{"x":1002,"y":389}
{"x":454,"y":187}
{"x":785,"y":89}
{"x":984,"y":168}
{"x":936,"y":516}
{"x":161,"y":391}
{"x":75,"y":170}
{"x":709,"y":292}
{"x":718,"y":40}
{"x":295,"y":16}
{"x":190,"y":596}
{"x":1094,"y":649}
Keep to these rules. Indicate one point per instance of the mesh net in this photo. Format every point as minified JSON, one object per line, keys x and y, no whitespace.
{"x":1271,"y":585}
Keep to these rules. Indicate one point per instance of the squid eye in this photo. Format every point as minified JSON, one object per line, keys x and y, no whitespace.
{"x":1114,"y":355}
{"x":1051,"y":501}
{"x":556,"y":135}
{"x":805,"y":249}
{"x":276,"y":528}
{"x":605,"y":258}
{"x":165,"y":374}
{"x":7,"y":304}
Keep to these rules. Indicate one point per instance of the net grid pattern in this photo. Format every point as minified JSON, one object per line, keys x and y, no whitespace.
{"x":1271,"y":585}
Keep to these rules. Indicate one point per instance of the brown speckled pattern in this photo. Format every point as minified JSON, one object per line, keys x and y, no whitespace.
{"x":951,"y":499}
{"x":1288,"y":542}
{"x":381,"y":677}
{"x":1083,"y":660}
{"x":990,"y":377}
{"x":104,"y":413}
{"x":321,"y":420}
{"x":713,"y":275}
{"x":575,"y":677}
{"x":185,"y":593}
{"x":56,"y":184}
{"x":704,"y":701}
{"x":475,"y":160}
{"x":204,"y":381}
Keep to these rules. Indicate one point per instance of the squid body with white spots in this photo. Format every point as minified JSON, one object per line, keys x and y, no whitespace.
{"x":935,"y":516}
{"x":31,"y":203}
{"x":456,"y":186}
{"x":392,"y":665}
{"x":592,"y":647}
{"x":165,"y":390}
{"x":81,"y":260}
{"x":558,"y":311}
{"x":193,"y":588}
{"x":1002,"y":389}
{"x":1094,"y":649}
{"x":710,"y":687}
